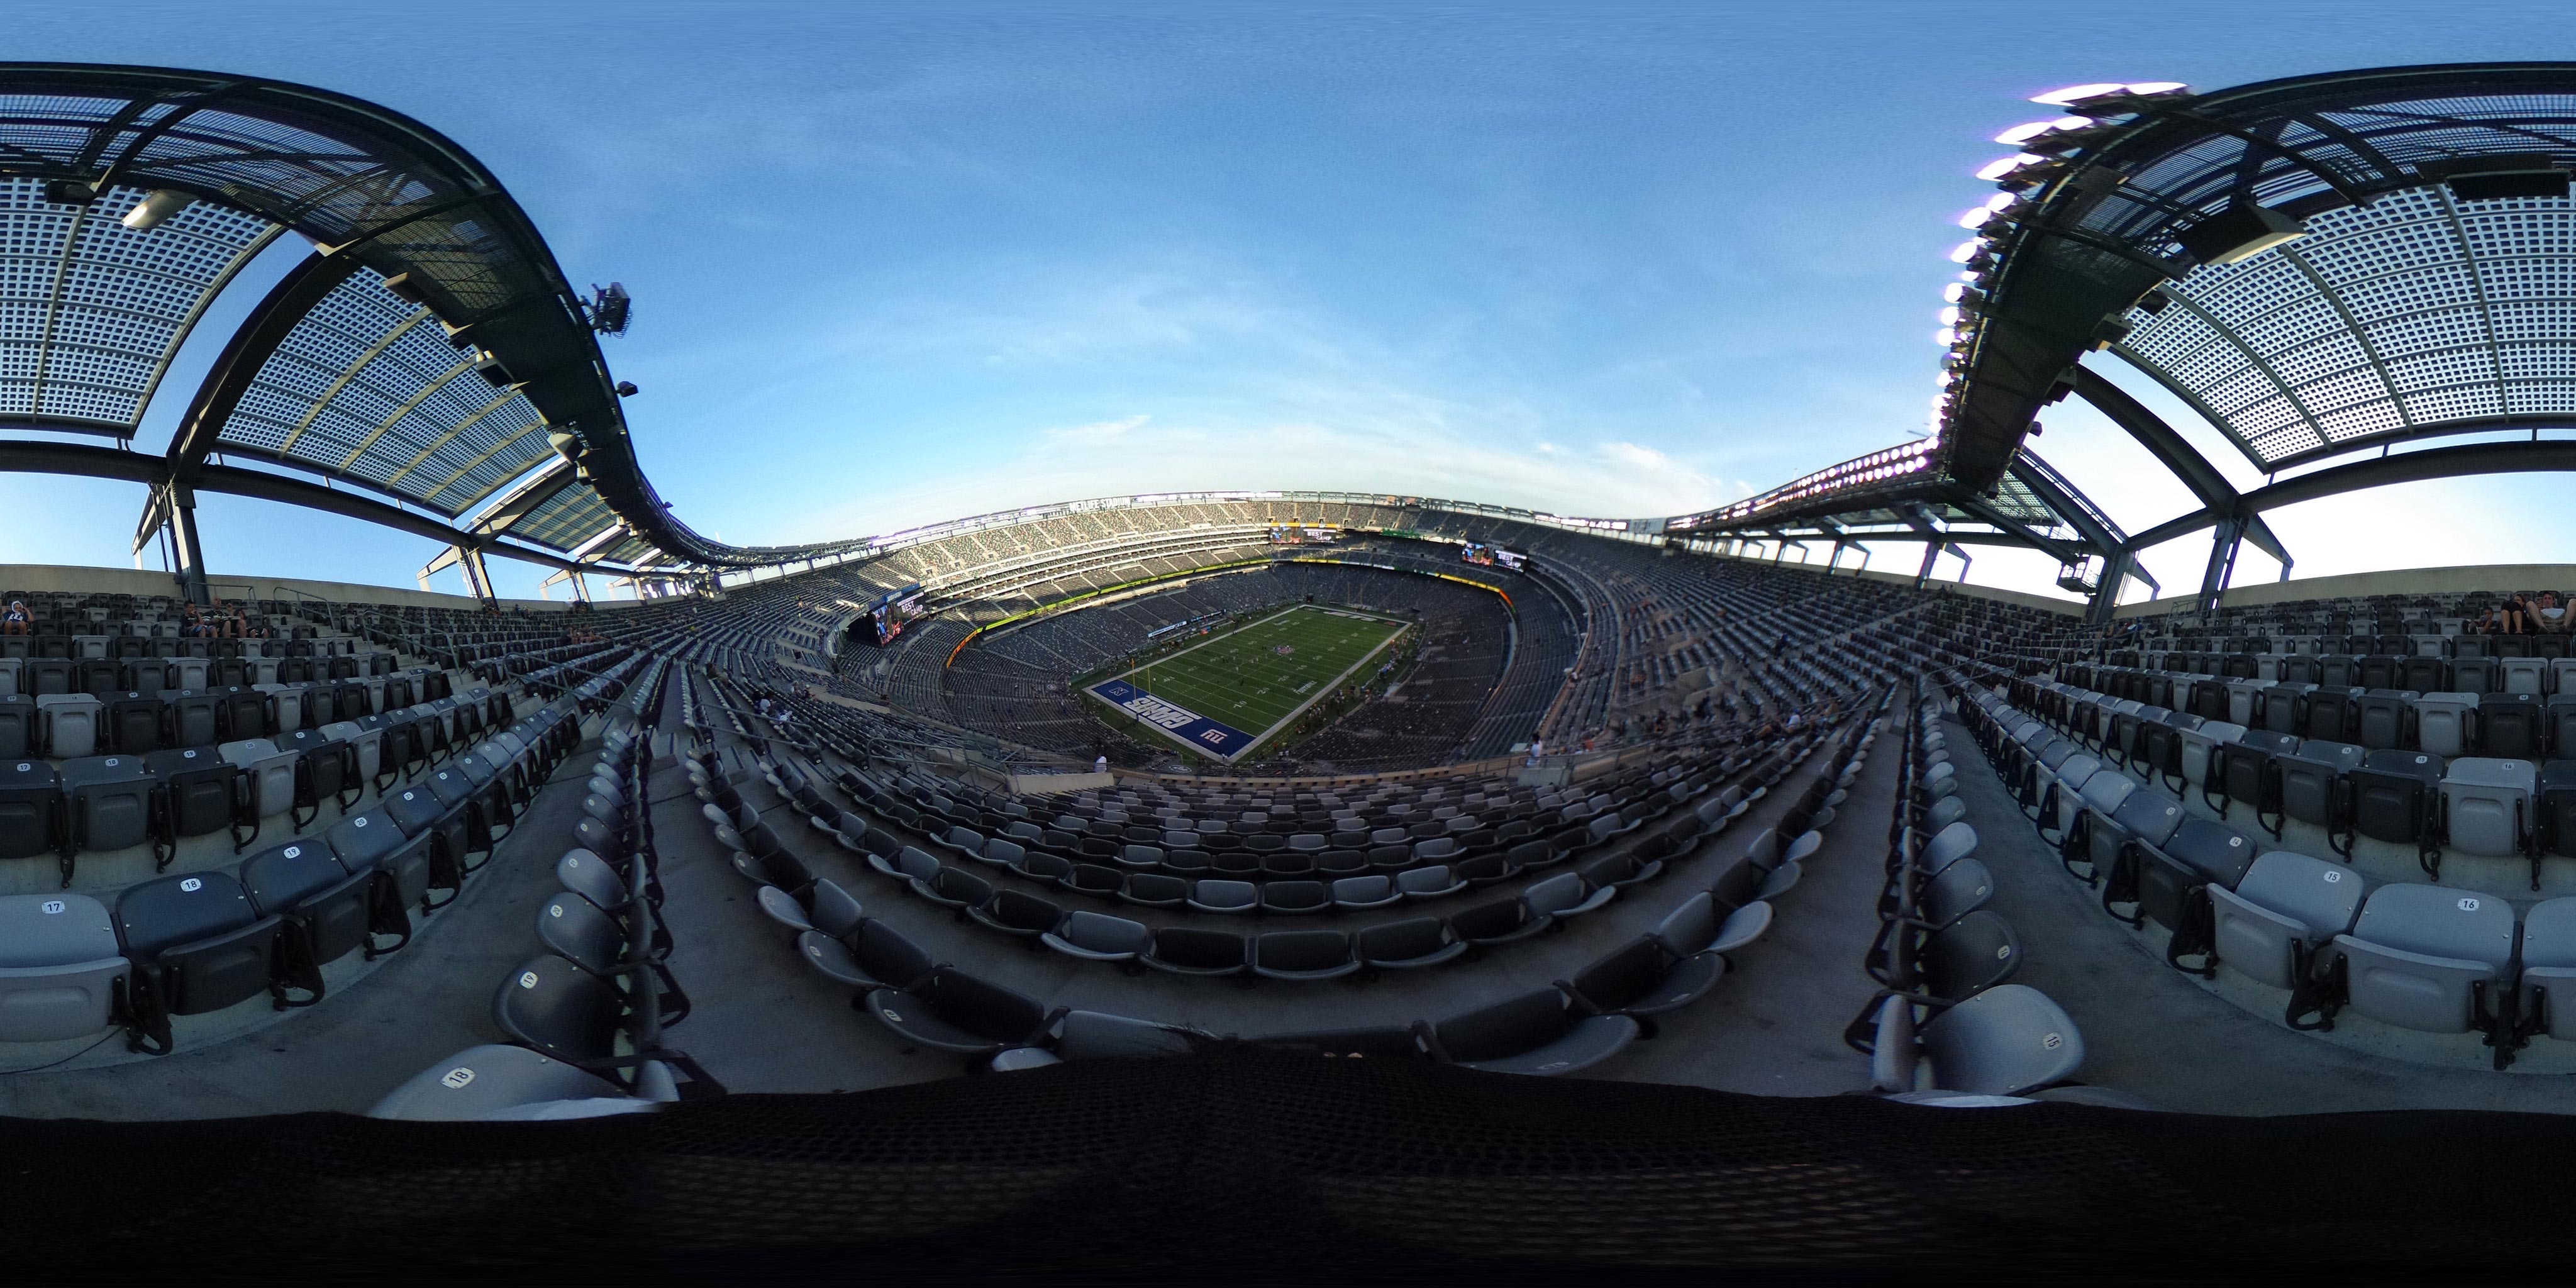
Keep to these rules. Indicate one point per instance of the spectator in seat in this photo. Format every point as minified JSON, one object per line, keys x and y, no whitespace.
{"x":16,"y":620}
{"x":2549,"y":614}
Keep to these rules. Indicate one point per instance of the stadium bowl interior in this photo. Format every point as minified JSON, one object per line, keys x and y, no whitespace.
{"x":1349,"y":819}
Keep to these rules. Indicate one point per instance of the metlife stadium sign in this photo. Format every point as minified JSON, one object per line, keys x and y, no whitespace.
{"x":1185,"y":726}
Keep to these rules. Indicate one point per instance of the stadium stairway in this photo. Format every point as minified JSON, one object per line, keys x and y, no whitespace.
{"x":1775,"y":1027}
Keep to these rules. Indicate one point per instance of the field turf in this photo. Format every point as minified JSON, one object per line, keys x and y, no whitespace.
{"x":1243,"y":678}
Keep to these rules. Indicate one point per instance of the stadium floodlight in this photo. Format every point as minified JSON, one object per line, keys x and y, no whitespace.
{"x":2002,"y":166}
{"x":1949,"y":315}
{"x":1975,"y":217}
{"x":157,"y":205}
{"x":1966,"y":250}
{"x":2027,"y":131}
{"x":2077,"y":93}
{"x":1954,"y":291}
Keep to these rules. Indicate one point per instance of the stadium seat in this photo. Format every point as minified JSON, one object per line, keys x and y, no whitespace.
{"x":499,"y":1082}
{"x":1213,"y":895}
{"x":1647,"y":978}
{"x":1303,"y":955}
{"x":1541,"y":1033}
{"x":1408,"y":944}
{"x":196,"y":945}
{"x":326,"y":911}
{"x":1189,"y":950}
{"x":950,"y":1010}
{"x":2424,"y":957}
{"x":1095,"y":937}
{"x":63,"y":973}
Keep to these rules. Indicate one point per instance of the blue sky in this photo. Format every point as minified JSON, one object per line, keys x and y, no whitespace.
{"x":898,"y":264}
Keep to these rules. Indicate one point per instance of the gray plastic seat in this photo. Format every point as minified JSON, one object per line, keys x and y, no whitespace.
{"x":950,"y":1010}
{"x":1191,"y":950}
{"x":1215,"y":895}
{"x":1430,"y":882}
{"x":1303,"y":955}
{"x":1644,"y":977}
{"x":2004,"y":1041}
{"x":495,"y":1081}
{"x":2489,"y":804}
{"x":1094,"y":1035}
{"x":60,"y":967}
{"x":2285,"y":907}
{"x":875,"y":955}
{"x":909,"y":864}
{"x":2419,"y":954}
{"x":1947,"y":846}
{"x":2548,"y":981}
{"x":1098,"y":937}
{"x":1295,"y":897}
{"x":1537,"y":1033}
{"x":2151,"y":817}
{"x":1350,"y":893}
{"x":1154,"y":890}
{"x":1565,"y":895}
{"x":1408,"y":944}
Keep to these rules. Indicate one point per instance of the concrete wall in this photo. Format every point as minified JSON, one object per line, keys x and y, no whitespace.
{"x":77,"y":580}
{"x":2393,"y":581}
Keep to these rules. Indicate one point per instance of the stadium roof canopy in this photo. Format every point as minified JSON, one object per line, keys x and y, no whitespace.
{"x":2320,"y":267}
{"x":427,"y":366}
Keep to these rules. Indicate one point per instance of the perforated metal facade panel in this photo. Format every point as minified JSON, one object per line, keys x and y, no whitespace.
{"x":367,"y":387}
{"x":2418,"y":311}
{"x":566,"y":519}
{"x":92,"y":311}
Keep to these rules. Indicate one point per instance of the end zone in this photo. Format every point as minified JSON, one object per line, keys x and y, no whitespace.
{"x":1183,"y":725}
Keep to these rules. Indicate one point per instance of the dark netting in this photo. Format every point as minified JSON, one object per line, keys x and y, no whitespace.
{"x":1254,"y":1166}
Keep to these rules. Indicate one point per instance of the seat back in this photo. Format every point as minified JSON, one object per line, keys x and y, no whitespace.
{"x":199,"y":932}
{"x":111,"y":802}
{"x":554,"y":1006}
{"x":2509,"y":726}
{"x":61,"y":967}
{"x":2004,"y":1041}
{"x":2487,"y":804}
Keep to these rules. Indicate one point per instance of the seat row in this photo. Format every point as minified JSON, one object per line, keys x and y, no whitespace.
{"x":2496,"y":806}
{"x":1947,"y":1027}
{"x":2414,"y":955}
{"x":1555,"y":1030}
{"x":586,"y":1018}
{"x":197,"y":942}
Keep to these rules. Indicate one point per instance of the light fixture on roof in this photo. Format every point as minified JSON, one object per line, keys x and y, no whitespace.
{"x":2077,"y":93}
{"x":1966,"y":250}
{"x":2002,"y":166}
{"x":2028,"y":131}
{"x":157,"y":205}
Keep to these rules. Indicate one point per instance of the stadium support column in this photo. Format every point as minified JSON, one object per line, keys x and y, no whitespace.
{"x":2229,"y":534}
{"x":185,"y":548}
{"x":478,"y":581}
{"x":2106,"y":597}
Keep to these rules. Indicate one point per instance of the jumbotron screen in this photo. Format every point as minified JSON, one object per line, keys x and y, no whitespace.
{"x":1485,"y":556}
{"x":893,"y":611}
{"x":1304,"y":536}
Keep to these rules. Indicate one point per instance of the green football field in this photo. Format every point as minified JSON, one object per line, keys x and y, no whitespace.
{"x":1244,"y":679}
